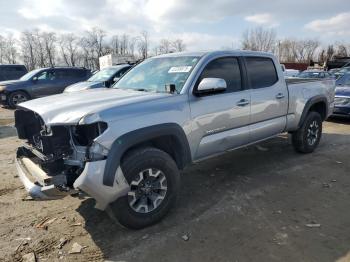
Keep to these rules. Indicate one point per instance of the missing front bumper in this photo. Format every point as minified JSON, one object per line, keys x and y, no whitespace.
{"x":31,"y":184}
{"x":90,"y":181}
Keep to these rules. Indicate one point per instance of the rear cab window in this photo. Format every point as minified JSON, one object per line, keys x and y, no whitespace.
{"x":261,"y":72}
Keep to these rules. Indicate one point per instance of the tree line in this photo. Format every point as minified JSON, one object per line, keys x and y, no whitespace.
{"x":36,"y":49}
{"x":292,"y":50}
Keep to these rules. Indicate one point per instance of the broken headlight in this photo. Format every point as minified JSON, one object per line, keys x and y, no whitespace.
{"x":97,"y":151}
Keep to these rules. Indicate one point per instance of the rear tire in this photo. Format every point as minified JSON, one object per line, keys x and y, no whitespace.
{"x":308,"y":136}
{"x":17,"y":97}
{"x":154,"y":181}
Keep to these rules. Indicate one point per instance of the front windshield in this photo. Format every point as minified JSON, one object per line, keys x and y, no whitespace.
{"x":30,"y":74}
{"x":154,"y":74}
{"x":104,"y":74}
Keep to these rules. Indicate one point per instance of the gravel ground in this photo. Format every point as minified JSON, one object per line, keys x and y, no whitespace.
{"x":260,"y":203}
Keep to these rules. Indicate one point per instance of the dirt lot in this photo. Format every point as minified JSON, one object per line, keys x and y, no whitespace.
{"x":263,"y":203}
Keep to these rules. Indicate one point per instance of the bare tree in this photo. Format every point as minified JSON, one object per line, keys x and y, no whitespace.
{"x":259,"y":39}
{"x":178,"y":45}
{"x":143,"y":44}
{"x":330,"y":52}
{"x":286,"y":50}
{"x":305,"y":49}
{"x":69,"y":49}
{"x":9,"y":51}
{"x":302,"y":51}
{"x":164,"y":46}
{"x":28,"y":50}
{"x":115,"y":44}
{"x":341,"y":50}
{"x":169,"y":46}
{"x":49,"y":42}
{"x":2,"y":49}
{"x":322,"y":56}
{"x":93,"y":46}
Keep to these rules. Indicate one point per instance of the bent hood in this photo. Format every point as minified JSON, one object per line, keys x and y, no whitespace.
{"x":70,"y":108}
{"x":83,"y":86}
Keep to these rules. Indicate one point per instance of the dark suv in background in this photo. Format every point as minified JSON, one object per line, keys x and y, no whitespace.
{"x":11,"y":72}
{"x":39,"y":83}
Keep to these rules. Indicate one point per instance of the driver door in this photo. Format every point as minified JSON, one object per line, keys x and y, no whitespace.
{"x":221,"y":120}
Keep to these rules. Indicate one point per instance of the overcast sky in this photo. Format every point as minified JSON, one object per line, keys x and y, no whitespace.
{"x":202,"y":24}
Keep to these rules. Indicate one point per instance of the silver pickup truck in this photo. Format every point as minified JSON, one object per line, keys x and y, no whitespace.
{"x":124,"y":146}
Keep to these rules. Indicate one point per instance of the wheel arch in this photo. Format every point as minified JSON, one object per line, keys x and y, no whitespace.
{"x":317,"y":104}
{"x":20,"y":90}
{"x":168,"y":137}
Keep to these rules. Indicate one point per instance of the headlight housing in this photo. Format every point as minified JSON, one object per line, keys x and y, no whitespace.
{"x":2,"y":88}
{"x":97,"y":152}
{"x":342,"y":101}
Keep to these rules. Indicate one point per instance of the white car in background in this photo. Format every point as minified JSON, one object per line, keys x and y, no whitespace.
{"x":291,"y":73}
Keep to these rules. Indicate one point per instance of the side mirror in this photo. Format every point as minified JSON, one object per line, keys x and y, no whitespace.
{"x":211,"y":85}
{"x":35,"y":79}
{"x":116,"y":79}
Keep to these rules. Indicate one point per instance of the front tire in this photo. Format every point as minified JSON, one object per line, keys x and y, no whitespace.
{"x":154,"y":181}
{"x":17,"y":97}
{"x":308,"y":136}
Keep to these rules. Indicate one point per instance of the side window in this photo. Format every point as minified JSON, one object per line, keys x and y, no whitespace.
{"x":77,"y":73}
{"x":226,"y":68}
{"x":261,"y":72}
{"x":65,"y":74}
{"x":46,"y":75}
{"x":122,"y":72}
{"x":60,"y":74}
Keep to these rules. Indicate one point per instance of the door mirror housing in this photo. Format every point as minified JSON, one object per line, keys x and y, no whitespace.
{"x":35,"y":79}
{"x":116,"y":79}
{"x":211,"y":85}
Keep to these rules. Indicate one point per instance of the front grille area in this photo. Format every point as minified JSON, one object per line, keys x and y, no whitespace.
{"x":53,"y":143}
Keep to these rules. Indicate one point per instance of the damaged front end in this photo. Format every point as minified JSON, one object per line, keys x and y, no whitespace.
{"x":60,"y":159}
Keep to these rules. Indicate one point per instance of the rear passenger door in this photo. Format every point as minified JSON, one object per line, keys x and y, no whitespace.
{"x":221,"y":120}
{"x":269,"y":98}
{"x":66,"y":77}
{"x":44,"y":83}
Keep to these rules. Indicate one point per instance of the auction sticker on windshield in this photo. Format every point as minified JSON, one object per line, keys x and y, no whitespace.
{"x":180,"y":69}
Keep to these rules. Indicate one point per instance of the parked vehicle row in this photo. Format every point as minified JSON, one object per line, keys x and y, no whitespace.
{"x":104,"y":78}
{"x":124,"y":146}
{"x":39,"y":83}
{"x":319,"y":74}
{"x":342,"y":96}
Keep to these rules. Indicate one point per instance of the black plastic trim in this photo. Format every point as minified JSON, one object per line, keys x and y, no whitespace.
{"x":126,"y":141}
{"x":312,"y":101}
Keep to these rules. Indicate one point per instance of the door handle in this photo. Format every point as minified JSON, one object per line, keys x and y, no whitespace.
{"x":280,"y":96}
{"x":242,"y":102}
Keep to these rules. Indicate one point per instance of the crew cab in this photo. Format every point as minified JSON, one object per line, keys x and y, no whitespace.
{"x":124,"y":146}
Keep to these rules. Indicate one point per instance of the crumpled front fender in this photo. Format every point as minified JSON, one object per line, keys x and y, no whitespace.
{"x":91,"y":182}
